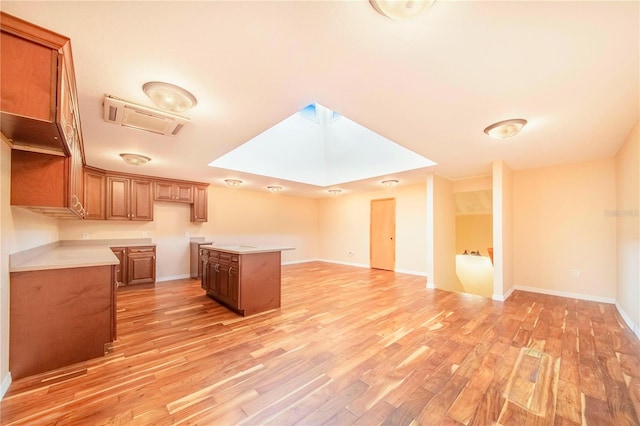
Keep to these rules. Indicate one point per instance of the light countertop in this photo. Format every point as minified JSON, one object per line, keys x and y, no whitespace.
{"x":71,"y":254}
{"x":62,"y":257}
{"x":242,"y":249}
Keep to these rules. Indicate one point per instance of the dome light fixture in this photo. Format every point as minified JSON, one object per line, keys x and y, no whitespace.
{"x":233,"y":183}
{"x":135,"y":159}
{"x":274,"y":188}
{"x":505,"y":129}
{"x":401,"y":9}
{"x":389,"y":183}
{"x":334,"y":191}
{"x":169,"y":96}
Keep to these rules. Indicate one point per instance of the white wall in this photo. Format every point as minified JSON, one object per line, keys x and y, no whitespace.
{"x":561,"y":229}
{"x":235,"y":217}
{"x":20,"y":230}
{"x":627,"y":218}
{"x":343,"y":227}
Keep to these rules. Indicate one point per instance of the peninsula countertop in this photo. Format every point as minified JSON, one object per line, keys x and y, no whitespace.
{"x":71,"y":254}
{"x":243,"y":249}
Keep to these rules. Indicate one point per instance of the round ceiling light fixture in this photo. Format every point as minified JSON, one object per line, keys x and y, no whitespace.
{"x":505,"y":129}
{"x":234,"y":183}
{"x":274,"y":188}
{"x":169,"y":96}
{"x":135,"y":159}
{"x":390,"y":183}
{"x":401,"y":9}
{"x":334,"y":191}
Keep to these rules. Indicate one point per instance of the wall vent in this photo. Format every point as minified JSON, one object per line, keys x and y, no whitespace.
{"x":128,"y":114}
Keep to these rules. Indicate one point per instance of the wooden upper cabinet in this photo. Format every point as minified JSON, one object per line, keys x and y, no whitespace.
{"x":129,"y":198}
{"x":94,"y":194}
{"x":38,"y":108}
{"x":174,"y":191}
{"x":199,"y":210}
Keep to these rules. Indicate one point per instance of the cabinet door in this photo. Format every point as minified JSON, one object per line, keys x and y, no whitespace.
{"x":224,"y":292}
{"x":164,"y":191}
{"x":94,"y":195}
{"x":141,"y":268}
{"x":213,"y":277}
{"x":183,"y":193}
{"x":234,"y":285}
{"x":28,"y":78}
{"x":117,"y":198}
{"x":121,"y":269}
{"x":141,"y":199}
{"x":204,"y":276}
{"x":199,"y":206}
{"x":77,"y":179}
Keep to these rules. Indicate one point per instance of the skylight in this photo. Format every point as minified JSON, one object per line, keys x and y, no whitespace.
{"x":320,"y":147}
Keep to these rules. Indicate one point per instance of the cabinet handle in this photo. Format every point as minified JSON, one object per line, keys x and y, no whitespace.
{"x":230,"y":271}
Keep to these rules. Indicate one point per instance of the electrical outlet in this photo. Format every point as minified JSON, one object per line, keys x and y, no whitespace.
{"x":351,"y":253}
{"x":145,"y":234}
{"x":85,"y":235}
{"x":575,"y":273}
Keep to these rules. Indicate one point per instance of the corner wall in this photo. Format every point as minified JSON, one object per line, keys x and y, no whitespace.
{"x":441,"y":235}
{"x":503,"y":230}
{"x":19,"y":230}
{"x":564,"y":240}
{"x":343,"y":228}
{"x":627,"y":216}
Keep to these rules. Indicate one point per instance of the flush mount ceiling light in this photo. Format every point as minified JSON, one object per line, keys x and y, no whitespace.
{"x":135,"y":159}
{"x":390,"y":183}
{"x":169,"y":96}
{"x":505,"y":129}
{"x":234,"y":183}
{"x":334,"y":191}
{"x":401,"y":9}
{"x":274,"y":188}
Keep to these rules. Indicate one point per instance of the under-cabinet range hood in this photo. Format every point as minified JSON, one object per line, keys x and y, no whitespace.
{"x":127,"y":114}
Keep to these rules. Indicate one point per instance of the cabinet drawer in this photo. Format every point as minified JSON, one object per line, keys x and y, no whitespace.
{"x":135,"y":250}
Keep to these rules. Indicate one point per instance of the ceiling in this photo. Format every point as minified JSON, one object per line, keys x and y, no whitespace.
{"x":431,"y":84}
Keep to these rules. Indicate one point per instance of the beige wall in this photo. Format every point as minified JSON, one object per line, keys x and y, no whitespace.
{"x":20,"y":230}
{"x":343,"y":227}
{"x":442,"y":234}
{"x":235,"y":217}
{"x":503,"y":230}
{"x":628,"y":228}
{"x":474,"y":232}
{"x":561,"y":229}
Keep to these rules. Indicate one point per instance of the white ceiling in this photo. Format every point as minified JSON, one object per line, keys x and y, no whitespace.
{"x":431,"y":84}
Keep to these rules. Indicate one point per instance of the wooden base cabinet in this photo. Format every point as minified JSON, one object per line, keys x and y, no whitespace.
{"x":246,"y":283}
{"x":59,"y":317}
{"x":137,"y":265}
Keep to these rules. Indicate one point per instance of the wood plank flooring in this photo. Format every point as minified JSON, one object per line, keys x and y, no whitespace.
{"x":348,"y":346}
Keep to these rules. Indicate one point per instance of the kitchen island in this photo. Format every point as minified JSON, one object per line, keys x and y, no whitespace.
{"x":245,"y":279}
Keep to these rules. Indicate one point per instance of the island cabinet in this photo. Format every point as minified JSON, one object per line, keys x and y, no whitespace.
{"x":129,"y":198}
{"x":137,"y":265}
{"x":59,"y":317}
{"x":247,"y":283}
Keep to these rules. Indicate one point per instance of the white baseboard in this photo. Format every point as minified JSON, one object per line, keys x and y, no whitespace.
{"x":503,"y":297}
{"x":295,"y":262}
{"x":410,"y":272}
{"x":173,"y":277}
{"x":634,"y":327}
{"x":431,"y":285}
{"x":357,"y":265}
{"x":567,"y":294}
{"x":4,"y":387}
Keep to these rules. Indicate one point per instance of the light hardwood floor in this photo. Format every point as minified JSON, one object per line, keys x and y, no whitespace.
{"x":349,"y":346}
